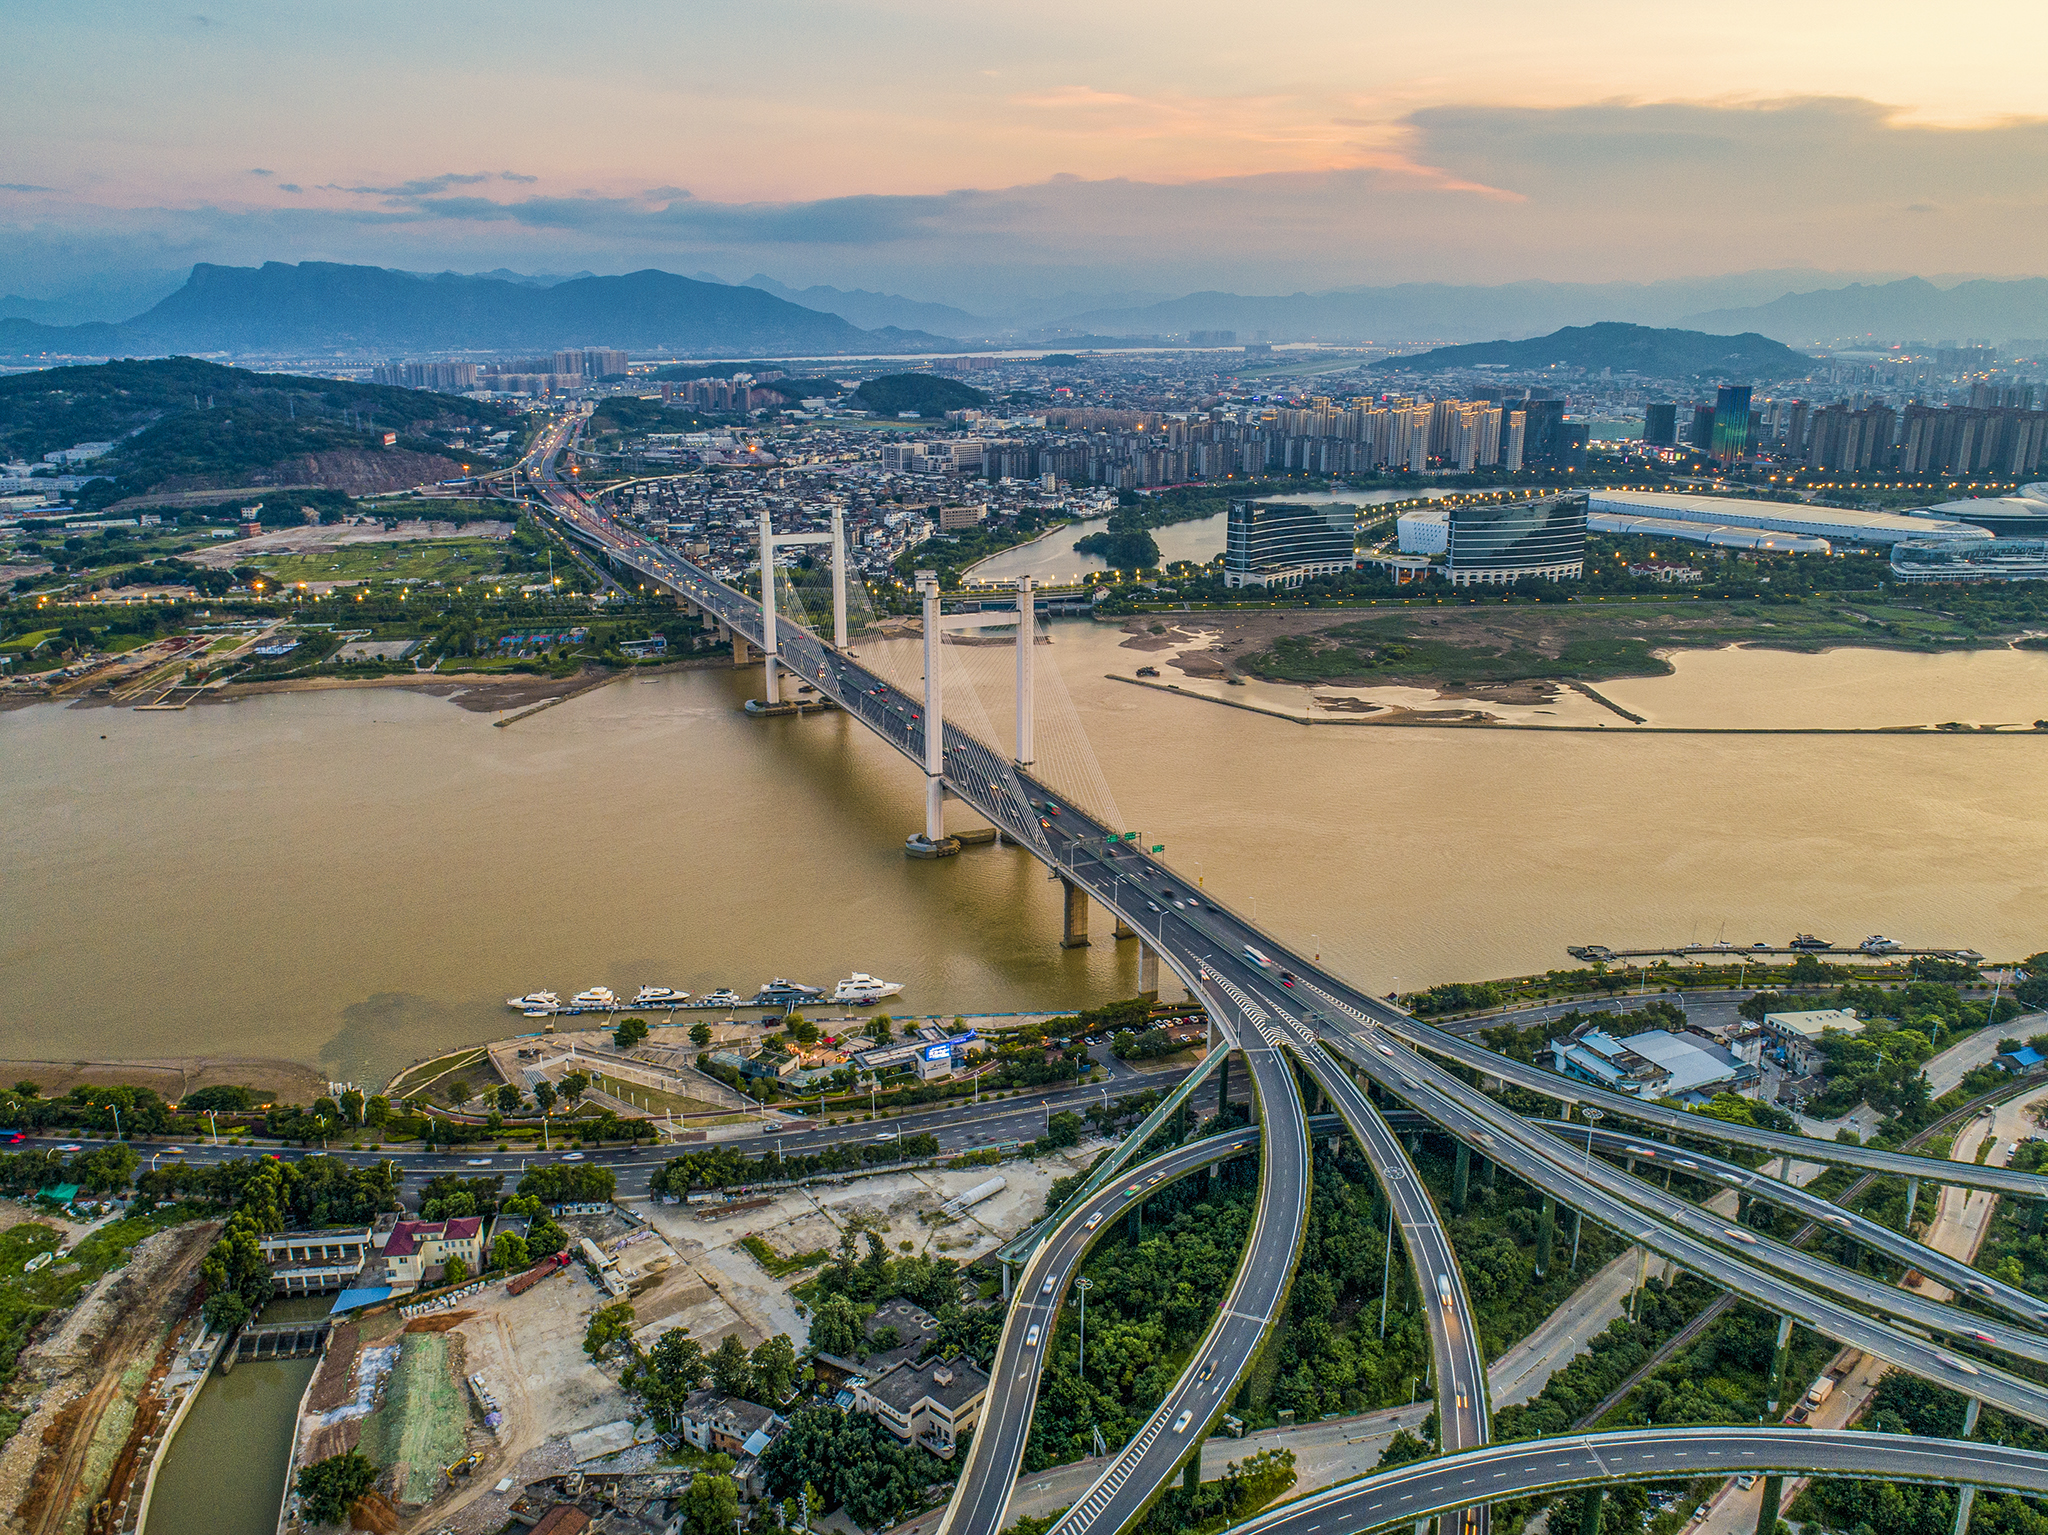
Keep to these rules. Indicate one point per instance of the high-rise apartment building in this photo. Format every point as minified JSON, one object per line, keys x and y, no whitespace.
{"x":1660,"y":424}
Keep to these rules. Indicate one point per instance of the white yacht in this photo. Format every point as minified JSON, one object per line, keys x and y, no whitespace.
{"x":862,"y":989}
{"x":534,"y":1002}
{"x":723,"y":997}
{"x":597,"y":996}
{"x":659,"y":996}
{"x":1877,"y":943}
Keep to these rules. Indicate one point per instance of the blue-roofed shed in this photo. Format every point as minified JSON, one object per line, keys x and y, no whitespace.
{"x":355,"y":1300}
{"x":2021,"y":1061}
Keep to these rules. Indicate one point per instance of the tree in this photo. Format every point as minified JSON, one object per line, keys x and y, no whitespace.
{"x":711,"y":1503}
{"x":630,"y":1032}
{"x":611,"y":1326}
{"x":668,"y":1373}
{"x":509,"y":1251}
{"x":225,"y":1311}
{"x":458,"y":1093}
{"x":330,"y":1487}
{"x":455,"y":1271}
{"x":544,"y":1095}
{"x":508,"y":1099}
{"x":377,"y":1111}
{"x":731,"y":1371}
{"x":878,"y":1029}
{"x":352,"y":1103}
{"x":574,"y":1086}
{"x":835,"y":1328}
{"x":700,"y":1034}
{"x":774,"y":1363}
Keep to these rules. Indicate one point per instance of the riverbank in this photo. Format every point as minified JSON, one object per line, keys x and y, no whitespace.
{"x":1393,"y":643}
{"x":1337,"y":713}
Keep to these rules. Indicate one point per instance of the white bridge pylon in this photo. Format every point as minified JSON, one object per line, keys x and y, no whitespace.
{"x":770,"y":542}
{"x":1025,"y":620}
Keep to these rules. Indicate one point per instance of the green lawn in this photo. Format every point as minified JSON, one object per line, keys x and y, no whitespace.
{"x":452,"y":560}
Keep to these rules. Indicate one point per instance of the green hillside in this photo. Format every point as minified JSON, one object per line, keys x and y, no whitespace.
{"x":181,"y":423}
{"x":1642,"y":349}
{"x":925,"y":393}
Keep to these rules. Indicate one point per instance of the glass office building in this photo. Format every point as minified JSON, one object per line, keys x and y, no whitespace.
{"x":1977,"y":559}
{"x":1284,"y":543}
{"x":1731,"y":422}
{"x":1496,"y":544}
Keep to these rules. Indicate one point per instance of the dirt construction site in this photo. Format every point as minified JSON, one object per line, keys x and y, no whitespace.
{"x":528,"y":1349}
{"x":87,"y":1388}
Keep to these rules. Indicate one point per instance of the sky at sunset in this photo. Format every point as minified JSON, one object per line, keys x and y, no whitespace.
{"x":970,"y":153}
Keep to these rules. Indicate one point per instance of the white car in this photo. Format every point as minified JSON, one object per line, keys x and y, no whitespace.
{"x":1050,"y":1281}
{"x":478,"y":1162}
{"x":1180,"y":1424}
{"x":886,"y":1135}
{"x":572,"y":1156}
{"x":1031,"y":1337}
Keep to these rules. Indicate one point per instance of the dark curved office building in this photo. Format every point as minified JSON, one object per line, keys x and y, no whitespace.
{"x":1497,"y":544}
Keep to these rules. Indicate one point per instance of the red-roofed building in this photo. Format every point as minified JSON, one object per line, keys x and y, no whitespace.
{"x":415,"y":1247}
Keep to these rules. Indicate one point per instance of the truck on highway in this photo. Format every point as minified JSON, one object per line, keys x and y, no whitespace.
{"x":1818,"y":1392}
{"x":1254,"y":957}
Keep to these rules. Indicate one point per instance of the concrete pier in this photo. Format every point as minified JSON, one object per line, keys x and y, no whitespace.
{"x":1075,"y":933}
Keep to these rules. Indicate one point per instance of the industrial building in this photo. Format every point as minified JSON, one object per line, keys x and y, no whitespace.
{"x":1721,"y":535}
{"x":1839,"y":525}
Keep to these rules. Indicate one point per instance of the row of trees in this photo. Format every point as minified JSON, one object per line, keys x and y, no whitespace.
{"x":724,"y":1167}
{"x":268,"y":1195}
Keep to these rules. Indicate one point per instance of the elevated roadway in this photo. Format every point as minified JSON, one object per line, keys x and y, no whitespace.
{"x":1280,"y":1001}
{"x":1953,"y":1272}
{"x":1418,"y":1491}
{"x":1602,"y":1192}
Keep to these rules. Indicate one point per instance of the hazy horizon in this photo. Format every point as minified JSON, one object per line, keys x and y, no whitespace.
{"x":979,"y":160}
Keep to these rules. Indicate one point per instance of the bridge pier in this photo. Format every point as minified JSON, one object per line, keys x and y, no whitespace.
{"x":1122,"y":930}
{"x":1778,"y":1362}
{"x":1148,"y":972}
{"x":1222,"y":1081}
{"x":1074,"y":934}
{"x":1767,"y":1510}
{"x":1966,"y":1495}
{"x":1589,"y":1511}
{"x":933,"y":841}
{"x":1912,"y":1196}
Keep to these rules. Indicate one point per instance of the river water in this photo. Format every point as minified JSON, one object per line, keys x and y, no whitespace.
{"x":357,"y":879}
{"x":1053,"y":558}
{"x":224,"y":1472}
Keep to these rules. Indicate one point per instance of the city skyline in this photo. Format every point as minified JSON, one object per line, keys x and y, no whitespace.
{"x":896,"y":147}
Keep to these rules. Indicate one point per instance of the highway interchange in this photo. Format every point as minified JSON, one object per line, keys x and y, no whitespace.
{"x":1284,"y":1009}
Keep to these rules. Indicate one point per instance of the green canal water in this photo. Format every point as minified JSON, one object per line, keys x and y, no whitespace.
{"x":224,"y":1473}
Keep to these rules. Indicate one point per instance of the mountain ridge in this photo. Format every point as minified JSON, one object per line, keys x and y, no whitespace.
{"x":1652,"y":351}
{"x":327,"y":306}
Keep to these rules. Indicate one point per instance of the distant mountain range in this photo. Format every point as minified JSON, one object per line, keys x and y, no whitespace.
{"x":322,"y":307}
{"x":1624,"y":348}
{"x":873,"y":310}
{"x":1912,"y":309}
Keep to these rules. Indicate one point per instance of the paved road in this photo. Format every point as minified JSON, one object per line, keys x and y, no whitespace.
{"x":1199,"y":941}
{"x":1679,"y":1230}
{"x":1249,"y":1311}
{"x":990,"y":1470}
{"x":1426,"y":1488}
{"x":1954,"y":1272}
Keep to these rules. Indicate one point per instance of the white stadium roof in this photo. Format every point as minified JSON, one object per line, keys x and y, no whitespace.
{"x":1833,"y":523}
